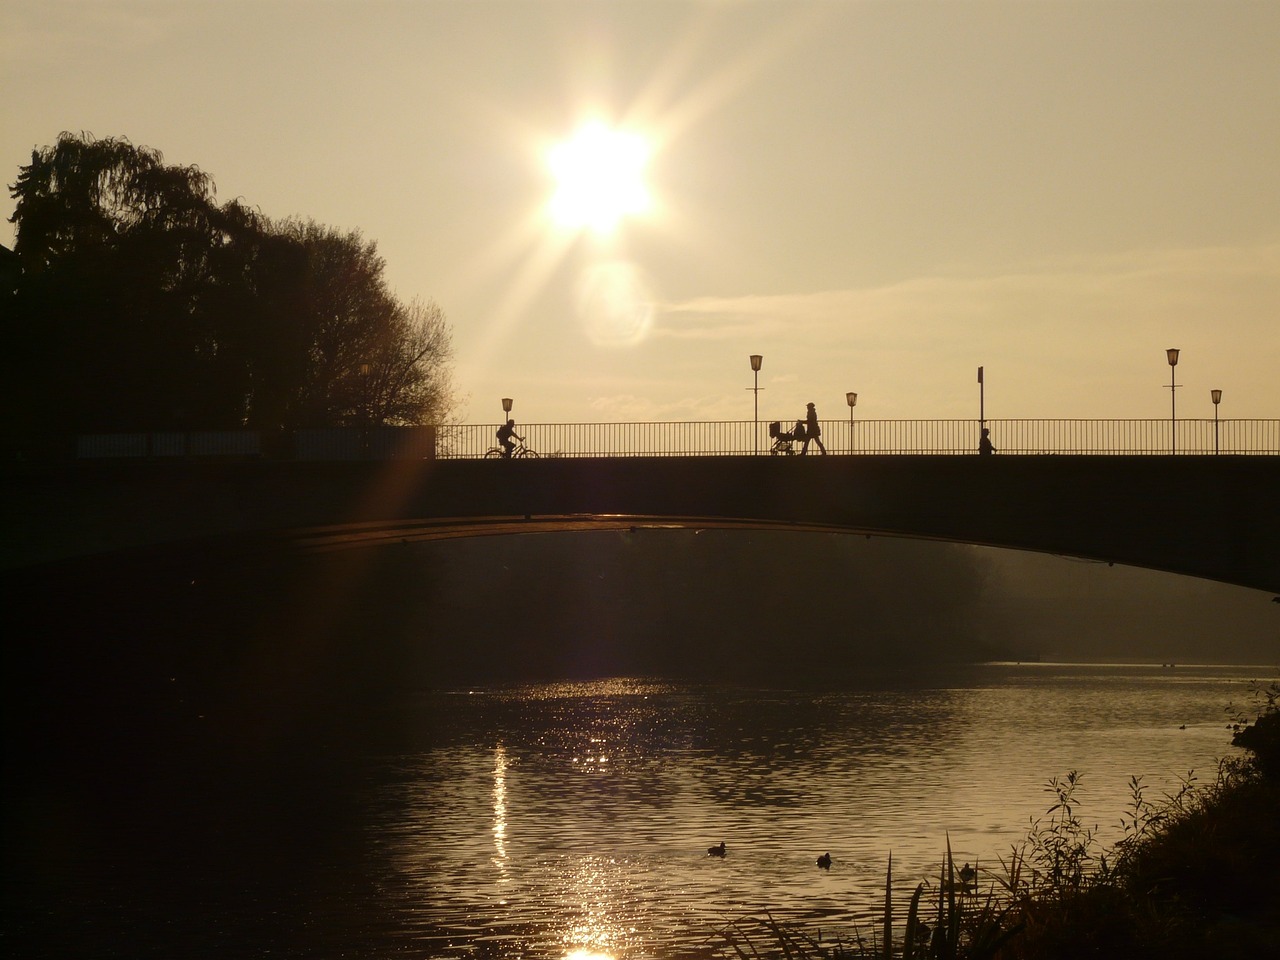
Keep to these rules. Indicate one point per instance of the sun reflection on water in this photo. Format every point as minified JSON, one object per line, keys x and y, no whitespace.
{"x":596,"y":933}
{"x":500,"y":812}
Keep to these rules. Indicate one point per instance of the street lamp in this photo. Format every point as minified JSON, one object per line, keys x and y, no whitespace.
{"x":852,"y":400}
{"x":506,"y":410}
{"x":1217,"y":399}
{"x":756,"y":360}
{"x":982,"y":407}
{"x":1172,"y":353}
{"x":982,"y":400}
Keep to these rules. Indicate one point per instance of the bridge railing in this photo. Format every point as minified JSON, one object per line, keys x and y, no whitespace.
{"x":739,"y":438}
{"x":699,"y":439}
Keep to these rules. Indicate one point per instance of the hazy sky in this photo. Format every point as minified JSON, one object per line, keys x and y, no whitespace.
{"x":876,"y":196}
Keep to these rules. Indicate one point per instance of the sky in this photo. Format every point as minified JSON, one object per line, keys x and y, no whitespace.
{"x":876,"y":197}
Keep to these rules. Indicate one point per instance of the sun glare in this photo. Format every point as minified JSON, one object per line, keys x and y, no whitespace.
{"x":599,"y":176}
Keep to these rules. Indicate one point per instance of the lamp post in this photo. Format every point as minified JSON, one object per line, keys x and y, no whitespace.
{"x":852,"y":400}
{"x":756,"y":360}
{"x":1216,"y":395}
{"x":982,"y":401}
{"x":506,"y":408}
{"x":1172,"y":354}
{"x":982,"y":407}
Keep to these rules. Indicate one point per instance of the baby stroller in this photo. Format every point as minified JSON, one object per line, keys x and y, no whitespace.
{"x":783,"y":443}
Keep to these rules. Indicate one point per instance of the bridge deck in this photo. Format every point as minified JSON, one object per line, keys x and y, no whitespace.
{"x":1212,"y":517}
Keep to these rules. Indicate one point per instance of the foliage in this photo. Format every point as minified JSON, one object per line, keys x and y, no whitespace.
{"x":143,"y":304}
{"x":1262,"y":737}
{"x":1059,"y":848}
{"x":366,"y":357}
{"x":1148,"y":820}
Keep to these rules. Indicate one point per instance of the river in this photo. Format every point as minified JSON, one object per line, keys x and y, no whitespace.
{"x":574,"y":819}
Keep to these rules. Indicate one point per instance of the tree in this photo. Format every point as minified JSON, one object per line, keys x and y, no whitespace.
{"x":411,"y":381}
{"x":369,"y":358}
{"x":118,"y":255}
{"x":143,"y":304}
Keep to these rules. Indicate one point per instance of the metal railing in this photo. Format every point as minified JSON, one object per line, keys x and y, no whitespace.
{"x":958,"y":437}
{"x":701,"y":439}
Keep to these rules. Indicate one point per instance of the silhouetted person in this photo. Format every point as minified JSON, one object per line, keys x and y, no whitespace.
{"x":812,"y":431}
{"x":505,"y":433}
{"x":985,"y":447}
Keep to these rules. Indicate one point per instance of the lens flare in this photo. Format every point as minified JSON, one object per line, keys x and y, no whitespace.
{"x":599,"y":175}
{"x":614,"y":304}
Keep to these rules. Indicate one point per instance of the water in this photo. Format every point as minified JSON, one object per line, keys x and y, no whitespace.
{"x":539,"y":821}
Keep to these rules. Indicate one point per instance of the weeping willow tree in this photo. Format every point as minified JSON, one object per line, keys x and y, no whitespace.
{"x":84,"y":196}
{"x":142,"y":304}
{"x":118,"y":253}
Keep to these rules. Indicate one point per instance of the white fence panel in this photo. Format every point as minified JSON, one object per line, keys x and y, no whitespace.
{"x":169,"y":444}
{"x":332,"y":443}
{"x":402,"y":443}
{"x":224,"y":443}
{"x":101,"y":445}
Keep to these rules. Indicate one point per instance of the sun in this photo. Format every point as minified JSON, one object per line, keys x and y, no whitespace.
{"x":599,"y":176}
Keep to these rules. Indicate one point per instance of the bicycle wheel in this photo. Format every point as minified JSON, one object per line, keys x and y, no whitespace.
{"x":493,"y":453}
{"x":525,"y":452}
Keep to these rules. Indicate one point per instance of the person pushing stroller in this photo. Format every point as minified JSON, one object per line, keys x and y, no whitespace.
{"x":811,"y":430}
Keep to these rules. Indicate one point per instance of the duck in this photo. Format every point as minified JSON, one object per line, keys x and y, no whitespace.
{"x":824,"y":861}
{"x":717,"y":851}
{"x":967,"y":874}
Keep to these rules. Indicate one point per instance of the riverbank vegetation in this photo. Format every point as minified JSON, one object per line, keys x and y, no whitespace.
{"x":1196,"y":874}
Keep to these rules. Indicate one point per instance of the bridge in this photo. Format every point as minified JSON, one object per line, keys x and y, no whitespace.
{"x":1215,"y":517}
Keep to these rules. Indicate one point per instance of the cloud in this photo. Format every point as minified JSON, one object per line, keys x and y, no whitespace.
{"x":1083,"y":291}
{"x":629,"y":407}
{"x":1069,"y":337}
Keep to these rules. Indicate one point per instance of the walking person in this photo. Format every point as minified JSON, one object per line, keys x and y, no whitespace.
{"x":812,"y":431}
{"x":985,"y":446}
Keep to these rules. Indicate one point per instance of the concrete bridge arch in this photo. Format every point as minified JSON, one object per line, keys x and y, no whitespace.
{"x":1211,"y":517}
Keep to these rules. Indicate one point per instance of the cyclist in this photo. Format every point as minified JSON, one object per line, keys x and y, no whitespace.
{"x":505,"y":433}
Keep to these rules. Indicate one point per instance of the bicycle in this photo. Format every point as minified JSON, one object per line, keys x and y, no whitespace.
{"x":520,"y":452}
